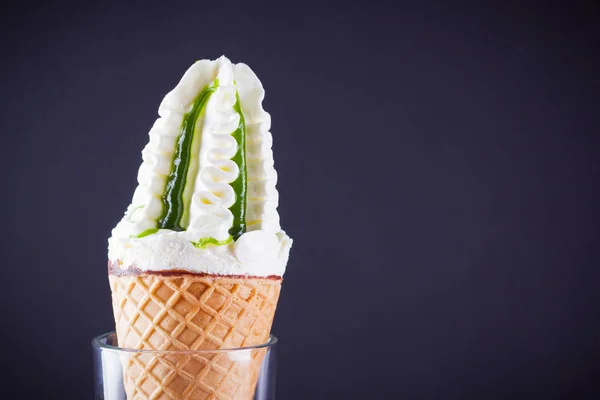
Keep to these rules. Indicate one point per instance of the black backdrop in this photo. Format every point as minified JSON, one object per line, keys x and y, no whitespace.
{"x":437,"y":172}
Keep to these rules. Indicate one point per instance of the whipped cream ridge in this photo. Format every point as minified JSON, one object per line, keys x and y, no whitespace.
{"x":206,"y":200}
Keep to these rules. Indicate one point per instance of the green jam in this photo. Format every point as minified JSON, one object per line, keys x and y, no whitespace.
{"x":202,"y":243}
{"x":238,"y":209}
{"x":176,"y":199}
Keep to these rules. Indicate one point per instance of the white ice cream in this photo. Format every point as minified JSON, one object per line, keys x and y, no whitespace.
{"x":208,"y":195}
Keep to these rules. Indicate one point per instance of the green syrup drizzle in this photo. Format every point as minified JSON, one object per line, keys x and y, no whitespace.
{"x":176,"y":199}
{"x":238,"y":209}
{"x":147,"y":232}
{"x":179,"y":186}
{"x":202,"y":243}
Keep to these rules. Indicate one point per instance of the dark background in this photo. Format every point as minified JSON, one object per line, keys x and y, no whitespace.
{"x":438,"y":174}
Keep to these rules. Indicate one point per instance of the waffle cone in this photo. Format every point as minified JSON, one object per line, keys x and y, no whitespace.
{"x":192,"y":312}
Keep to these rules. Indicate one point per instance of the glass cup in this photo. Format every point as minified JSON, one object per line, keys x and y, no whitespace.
{"x":244,"y":373}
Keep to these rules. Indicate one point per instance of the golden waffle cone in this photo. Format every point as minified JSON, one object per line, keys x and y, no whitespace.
{"x":192,"y":312}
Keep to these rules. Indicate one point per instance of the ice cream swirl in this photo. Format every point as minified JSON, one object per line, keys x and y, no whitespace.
{"x":207,"y":177}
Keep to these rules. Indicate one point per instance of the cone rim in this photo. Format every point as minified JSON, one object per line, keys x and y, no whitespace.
{"x":98,"y":343}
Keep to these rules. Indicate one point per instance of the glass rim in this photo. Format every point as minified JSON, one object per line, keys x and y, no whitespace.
{"x":97,"y":343}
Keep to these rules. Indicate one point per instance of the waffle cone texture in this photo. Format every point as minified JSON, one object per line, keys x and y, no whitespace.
{"x":185,"y":311}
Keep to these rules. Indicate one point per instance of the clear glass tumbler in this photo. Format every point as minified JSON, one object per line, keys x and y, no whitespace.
{"x":124,"y":374}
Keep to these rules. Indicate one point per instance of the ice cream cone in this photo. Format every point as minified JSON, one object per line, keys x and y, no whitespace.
{"x":206,"y":202}
{"x":183,"y":311}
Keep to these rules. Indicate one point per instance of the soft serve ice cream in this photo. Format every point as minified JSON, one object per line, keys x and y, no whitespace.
{"x":206,"y":200}
{"x":196,"y":263}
